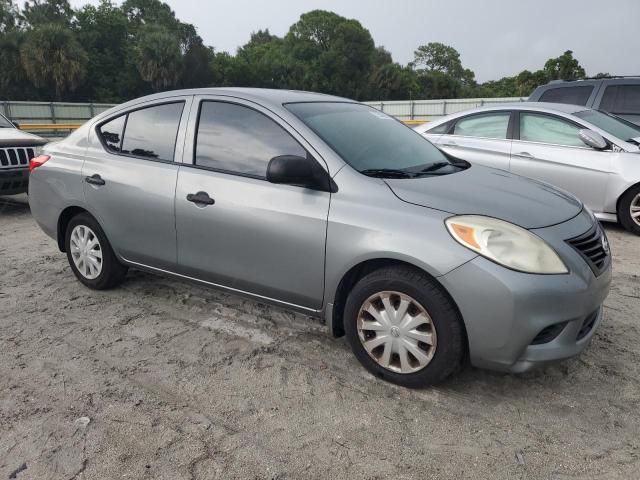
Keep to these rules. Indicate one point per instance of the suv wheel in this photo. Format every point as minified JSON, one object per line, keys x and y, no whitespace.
{"x":403,"y":328}
{"x":90,"y":254}
{"x":629,"y":210}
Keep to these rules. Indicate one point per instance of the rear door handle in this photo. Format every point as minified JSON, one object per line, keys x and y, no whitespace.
{"x":94,"y":179}
{"x":450,"y":144}
{"x":524,"y":155}
{"x":200,"y":198}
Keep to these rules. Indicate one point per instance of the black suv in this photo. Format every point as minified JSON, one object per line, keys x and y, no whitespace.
{"x":16,"y":149}
{"x":617,"y":95}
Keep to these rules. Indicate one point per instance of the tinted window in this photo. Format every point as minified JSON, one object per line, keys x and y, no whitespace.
{"x":371,"y":141}
{"x":151,"y":132}
{"x":4,"y":123}
{"x":111,"y":133}
{"x":548,"y":129}
{"x":238,"y":139}
{"x":573,"y":95}
{"x":621,"y":99}
{"x":492,"y":125}
{"x":616,"y":126}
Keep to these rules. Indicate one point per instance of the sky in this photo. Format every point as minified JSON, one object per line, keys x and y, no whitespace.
{"x":495,"y":38}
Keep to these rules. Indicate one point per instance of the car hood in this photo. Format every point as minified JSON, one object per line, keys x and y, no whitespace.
{"x":12,"y":137}
{"x":495,"y":193}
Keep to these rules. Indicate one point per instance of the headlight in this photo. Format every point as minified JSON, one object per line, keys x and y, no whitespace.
{"x":505,"y":243}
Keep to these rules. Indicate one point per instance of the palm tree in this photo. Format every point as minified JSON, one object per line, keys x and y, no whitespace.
{"x":158,"y":58}
{"x":53,"y":59}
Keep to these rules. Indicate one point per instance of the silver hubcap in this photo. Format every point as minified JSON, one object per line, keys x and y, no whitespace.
{"x":86,"y":252}
{"x":635,"y":209}
{"x":397,"y":332}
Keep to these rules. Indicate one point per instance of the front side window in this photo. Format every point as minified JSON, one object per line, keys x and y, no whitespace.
{"x":578,"y":95}
{"x":151,"y":132}
{"x":621,"y":99}
{"x":237,"y":139}
{"x":372,"y":142}
{"x":547,"y":129}
{"x":111,"y":133}
{"x":4,"y":123}
{"x":492,"y":125}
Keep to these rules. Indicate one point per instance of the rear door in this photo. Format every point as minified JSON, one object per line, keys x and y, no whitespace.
{"x":250,"y":235}
{"x":130,"y":179}
{"x":621,"y":99}
{"x":480,"y":138}
{"x":548,"y":147}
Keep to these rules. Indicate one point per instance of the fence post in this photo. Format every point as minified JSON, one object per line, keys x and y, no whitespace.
{"x":91,"y":110}
{"x":444,"y":108}
{"x":382,"y":106}
{"x":413,"y":102}
{"x":5,"y":107}
{"x":53,"y":112}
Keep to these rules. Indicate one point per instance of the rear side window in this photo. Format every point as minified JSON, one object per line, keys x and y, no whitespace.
{"x":578,"y":95}
{"x":621,"y":99}
{"x":548,"y":129}
{"x":111,"y":133}
{"x":440,"y":129}
{"x":237,"y":139}
{"x":151,"y":132}
{"x":491,"y":125}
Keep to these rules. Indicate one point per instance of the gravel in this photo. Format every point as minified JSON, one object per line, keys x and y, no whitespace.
{"x":164,"y":379}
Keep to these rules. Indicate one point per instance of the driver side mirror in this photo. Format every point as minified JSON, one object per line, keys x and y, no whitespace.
{"x":299,"y":171}
{"x":593,"y":139}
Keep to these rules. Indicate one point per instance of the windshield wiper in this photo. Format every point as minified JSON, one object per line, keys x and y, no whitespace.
{"x":436,"y":166}
{"x":387,"y":173}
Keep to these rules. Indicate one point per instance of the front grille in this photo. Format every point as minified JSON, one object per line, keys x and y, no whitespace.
{"x":587,"y":325}
{"x":593,"y":246}
{"x":12,"y":157}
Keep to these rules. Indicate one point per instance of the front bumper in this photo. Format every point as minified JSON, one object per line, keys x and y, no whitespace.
{"x":505,"y":311}
{"x":14,"y":180}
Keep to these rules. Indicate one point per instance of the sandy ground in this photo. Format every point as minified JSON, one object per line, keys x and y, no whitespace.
{"x":166,"y":380}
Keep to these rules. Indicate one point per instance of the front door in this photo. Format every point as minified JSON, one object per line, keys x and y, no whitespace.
{"x":234,"y":228}
{"x":549,"y":149}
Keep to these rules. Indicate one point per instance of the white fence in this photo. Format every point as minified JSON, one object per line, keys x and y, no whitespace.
{"x":72,"y":113}
{"x":434,"y":109}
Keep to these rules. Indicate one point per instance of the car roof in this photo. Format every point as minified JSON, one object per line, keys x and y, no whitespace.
{"x":259,"y":95}
{"x":558,"y":107}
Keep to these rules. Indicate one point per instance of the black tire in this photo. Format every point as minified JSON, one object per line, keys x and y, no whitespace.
{"x":450,"y":347}
{"x":112,"y":273}
{"x":624,"y":210}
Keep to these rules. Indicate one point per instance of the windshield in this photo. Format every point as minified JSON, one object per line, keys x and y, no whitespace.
{"x":373,"y":143}
{"x":611,"y":124}
{"x":4,"y":123}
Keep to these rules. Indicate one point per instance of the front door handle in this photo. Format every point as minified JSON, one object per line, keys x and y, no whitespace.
{"x":524,"y":155}
{"x":200,"y":198}
{"x":94,"y":179}
{"x":450,"y":144}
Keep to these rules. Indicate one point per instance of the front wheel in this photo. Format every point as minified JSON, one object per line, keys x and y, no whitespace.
{"x":90,"y":255}
{"x":629,"y":210}
{"x":403,"y":328}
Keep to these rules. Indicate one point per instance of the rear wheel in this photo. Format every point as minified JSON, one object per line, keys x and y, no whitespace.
{"x":90,"y":255}
{"x":629,"y":210}
{"x":403,"y":327}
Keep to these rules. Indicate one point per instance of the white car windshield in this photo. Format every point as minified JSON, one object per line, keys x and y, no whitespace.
{"x":616,"y":126}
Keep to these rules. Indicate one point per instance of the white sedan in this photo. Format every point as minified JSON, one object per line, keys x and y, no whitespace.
{"x":592,"y":154}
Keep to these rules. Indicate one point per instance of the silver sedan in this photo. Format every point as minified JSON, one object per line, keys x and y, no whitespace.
{"x":592,"y":154}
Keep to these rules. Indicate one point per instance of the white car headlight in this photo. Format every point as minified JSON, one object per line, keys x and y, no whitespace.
{"x":506,"y":244}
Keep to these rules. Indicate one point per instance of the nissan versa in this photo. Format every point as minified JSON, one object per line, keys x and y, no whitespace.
{"x":331,"y":208}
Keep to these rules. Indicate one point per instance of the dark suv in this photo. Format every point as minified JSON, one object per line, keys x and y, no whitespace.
{"x":617,"y":95}
{"x":16,"y":149}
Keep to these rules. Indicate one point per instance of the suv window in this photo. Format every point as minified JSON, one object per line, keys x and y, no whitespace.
{"x":237,"y":139}
{"x":151,"y":132}
{"x":547,"y":129}
{"x":490,"y":125}
{"x":621,"y":99}
{"x":578,"y":95}
{"x":111,"y":133}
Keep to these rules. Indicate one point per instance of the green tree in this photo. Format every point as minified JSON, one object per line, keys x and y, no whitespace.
{"x":53,"y":59}
{"x":157,"y":57}
{"x":565,"y":67}
{"x":9,"y":16}
{"x":44,"y":12}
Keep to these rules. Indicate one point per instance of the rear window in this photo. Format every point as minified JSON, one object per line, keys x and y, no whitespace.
{"x":621,"y":99}
{"x":578,"y":95}
{"x":149,"y":132}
